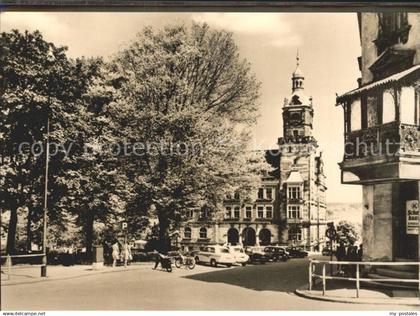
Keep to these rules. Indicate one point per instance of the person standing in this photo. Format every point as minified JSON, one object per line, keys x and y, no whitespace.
{"x":340,"y":255}
{"x":126,"y":254}
{"x":115,"y":253}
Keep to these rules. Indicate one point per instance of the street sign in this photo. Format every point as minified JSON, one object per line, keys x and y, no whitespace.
{"x":412,"y":215}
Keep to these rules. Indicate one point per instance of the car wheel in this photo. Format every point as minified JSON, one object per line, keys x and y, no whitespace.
{"x":213,"y":263}
{"x":169,"y":269}
{"x":228,"y":265}
{"x":244,"y":264}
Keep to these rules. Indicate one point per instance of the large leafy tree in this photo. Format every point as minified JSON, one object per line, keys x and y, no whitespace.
{"x":40,"y":85}
{"x":183,"y":97}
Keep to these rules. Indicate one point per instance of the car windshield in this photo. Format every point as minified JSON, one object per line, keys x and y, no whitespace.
{"x":224,"y":250}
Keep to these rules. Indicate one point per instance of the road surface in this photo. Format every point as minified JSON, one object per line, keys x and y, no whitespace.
{"x":254,"y":287}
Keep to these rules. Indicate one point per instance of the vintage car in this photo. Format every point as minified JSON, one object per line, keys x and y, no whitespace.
{"x":256,"y":255}
{"x":215,"y":255}
{"x":296,"y":252}
{"x":240,"y":256}
{"x":275,"y":253}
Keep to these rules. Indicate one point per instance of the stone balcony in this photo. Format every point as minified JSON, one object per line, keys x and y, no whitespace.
{"x":385,"y":152}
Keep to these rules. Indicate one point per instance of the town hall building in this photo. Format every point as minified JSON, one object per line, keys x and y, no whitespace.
{"x":289,"y":207}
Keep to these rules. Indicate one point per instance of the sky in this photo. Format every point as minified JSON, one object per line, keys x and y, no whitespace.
{"x":328,"y":45}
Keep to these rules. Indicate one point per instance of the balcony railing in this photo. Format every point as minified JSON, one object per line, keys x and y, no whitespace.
{"x":387,"y":140}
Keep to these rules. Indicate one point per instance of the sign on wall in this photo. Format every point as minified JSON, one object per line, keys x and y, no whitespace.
{"x":412,"y":213}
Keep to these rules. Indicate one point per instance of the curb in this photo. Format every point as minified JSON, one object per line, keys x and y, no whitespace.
{"x":389,"y":301}
{"x":39,"y":280}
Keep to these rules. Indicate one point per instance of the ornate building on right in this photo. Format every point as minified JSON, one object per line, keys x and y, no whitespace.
{"x":382,"y":135}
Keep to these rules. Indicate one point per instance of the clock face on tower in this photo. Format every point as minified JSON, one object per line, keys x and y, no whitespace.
{"x":295,"y":118}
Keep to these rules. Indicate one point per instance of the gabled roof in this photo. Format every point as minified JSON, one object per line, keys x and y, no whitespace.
{"x":294,"y":177}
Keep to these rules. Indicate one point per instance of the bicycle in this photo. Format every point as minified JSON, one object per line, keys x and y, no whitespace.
{"x":186,"y":261}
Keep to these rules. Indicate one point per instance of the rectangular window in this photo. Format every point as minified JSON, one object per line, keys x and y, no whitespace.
{"x":293,"y":212}
{"x":408,"y":105}
{"x":228,"y":212}
{"x":260,"y":193}
{"x":355,"y":115}
{"x":269,"y":212}
{"x":388,"y":107}
{"x":248,"y":212}
{"x":269,"y":193}
{"x":293,"y":192}
{"x":236,"y":212}
{"x":260,"y":211}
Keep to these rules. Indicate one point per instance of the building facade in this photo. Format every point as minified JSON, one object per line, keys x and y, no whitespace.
{"x":382,"y":134}
{"x":290,"y":207}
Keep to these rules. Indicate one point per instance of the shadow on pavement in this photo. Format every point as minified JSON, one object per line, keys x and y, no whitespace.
{"x":281,"y":277}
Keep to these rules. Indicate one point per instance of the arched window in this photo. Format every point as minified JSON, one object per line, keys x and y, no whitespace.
{"x":203,"y":232}
{"x":187,"y":233}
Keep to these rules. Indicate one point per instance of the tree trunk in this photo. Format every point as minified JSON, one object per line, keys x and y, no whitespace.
{"x":164,"y":241}
{"x":11,"y":233}
{"x":90,"y":219}
{"x":29,"y":230}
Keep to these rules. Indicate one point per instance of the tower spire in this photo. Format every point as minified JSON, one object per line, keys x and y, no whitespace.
{"x":297,"y":77}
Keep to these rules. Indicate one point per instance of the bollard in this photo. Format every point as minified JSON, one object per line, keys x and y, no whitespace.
{"x":310,"y":275}
{"x":9,"y":266}
{"x":357,"y":280}
{"x":324,"y":281}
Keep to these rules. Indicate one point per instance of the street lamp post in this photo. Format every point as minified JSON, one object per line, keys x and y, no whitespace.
{"x":44,"y":237}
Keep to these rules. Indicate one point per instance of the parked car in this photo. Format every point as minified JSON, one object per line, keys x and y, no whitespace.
{"x":240,"y":256}
{"x":296,"y":252}
{"x":215,"y":255}
{"x":256,"y":255}
{"x":275,"y":253}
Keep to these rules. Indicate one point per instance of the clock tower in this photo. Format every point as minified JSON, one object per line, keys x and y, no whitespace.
{"x":302,"y":184}
{"x":297,"y":111}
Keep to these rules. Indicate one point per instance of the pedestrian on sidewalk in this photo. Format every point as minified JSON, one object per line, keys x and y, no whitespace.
{"x":127,"y":254}
{"x":115,"y":253}
{"x":340,"y":255}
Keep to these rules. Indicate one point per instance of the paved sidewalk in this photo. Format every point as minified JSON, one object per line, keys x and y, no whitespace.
{"x":23,"y":274}
{"x":345,"y":292}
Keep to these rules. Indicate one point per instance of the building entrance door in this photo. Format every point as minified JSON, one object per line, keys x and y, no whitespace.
{"x":249,"y":237}
{"x":233,"y":236}
{"x":265,"y":237}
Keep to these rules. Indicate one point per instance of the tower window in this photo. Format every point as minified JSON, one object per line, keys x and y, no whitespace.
{"x":260,"y":193}
{"x":293,"y":192}
{"x":269,"y":193}
{"x":393,"y":29}
{"x":293,"y":212}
